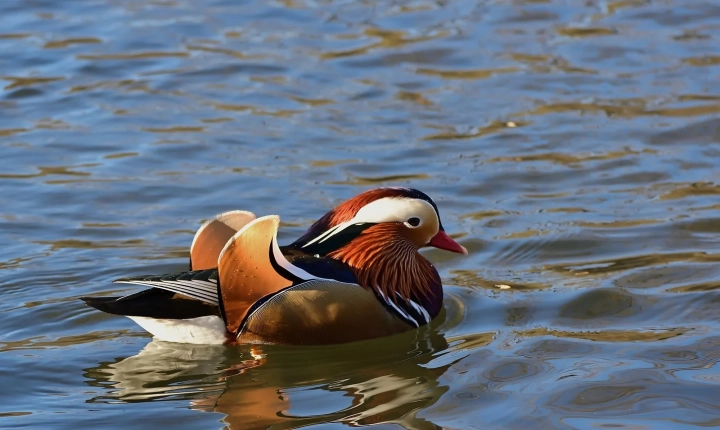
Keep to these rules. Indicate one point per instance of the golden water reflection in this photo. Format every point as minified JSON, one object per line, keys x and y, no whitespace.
{"x":261,"y":386}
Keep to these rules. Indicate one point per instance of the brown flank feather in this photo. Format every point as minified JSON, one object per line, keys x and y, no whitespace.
{"x":384,"y":259}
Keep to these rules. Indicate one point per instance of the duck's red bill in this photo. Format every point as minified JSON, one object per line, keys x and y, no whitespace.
{"x":442,"y":241}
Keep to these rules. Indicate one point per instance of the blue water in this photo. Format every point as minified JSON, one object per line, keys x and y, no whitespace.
{"x":570,"y":146}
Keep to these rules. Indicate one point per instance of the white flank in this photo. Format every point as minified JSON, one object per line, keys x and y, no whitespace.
{"x":208,"y":330}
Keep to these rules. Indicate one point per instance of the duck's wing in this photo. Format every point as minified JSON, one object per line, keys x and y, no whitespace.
{"x":212,"y":237}
{"x":153,"y":303}
{"x":199,"y":284}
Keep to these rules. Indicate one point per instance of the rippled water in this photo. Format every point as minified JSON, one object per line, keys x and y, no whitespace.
{"x":571,"y":146}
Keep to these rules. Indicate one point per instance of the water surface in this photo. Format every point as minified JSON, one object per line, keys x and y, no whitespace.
{"x":571,"y":147}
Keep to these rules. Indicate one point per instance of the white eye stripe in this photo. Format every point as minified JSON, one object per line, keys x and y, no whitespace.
{"x":394,"y":209}
{"x":387,"y":209}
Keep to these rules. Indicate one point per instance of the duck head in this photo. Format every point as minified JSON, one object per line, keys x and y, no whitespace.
{"x":378,"y":235}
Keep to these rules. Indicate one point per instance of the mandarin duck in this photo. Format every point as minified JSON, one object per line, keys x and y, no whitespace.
{"x":355,"y":274}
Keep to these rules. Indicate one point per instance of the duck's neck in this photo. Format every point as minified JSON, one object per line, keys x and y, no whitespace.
{"x":391,"y":266}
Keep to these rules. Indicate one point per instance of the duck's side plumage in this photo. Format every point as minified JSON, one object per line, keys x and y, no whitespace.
{"x":319,"y":312}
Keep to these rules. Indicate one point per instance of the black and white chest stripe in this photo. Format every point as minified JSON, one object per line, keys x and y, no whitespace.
{"x":407,"y":309}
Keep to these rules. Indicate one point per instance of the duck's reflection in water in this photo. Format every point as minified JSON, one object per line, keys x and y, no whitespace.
{"x":161,"y":370}
{"x":384,"y":380}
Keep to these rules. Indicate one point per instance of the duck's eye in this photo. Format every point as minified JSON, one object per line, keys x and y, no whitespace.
{"x":413,"y":222}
